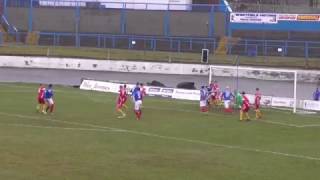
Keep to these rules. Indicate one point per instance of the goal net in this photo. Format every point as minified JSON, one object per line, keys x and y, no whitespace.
{"x":278,"y":87}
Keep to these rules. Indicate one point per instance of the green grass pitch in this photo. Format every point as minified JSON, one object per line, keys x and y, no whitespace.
{"x":84,"y":140}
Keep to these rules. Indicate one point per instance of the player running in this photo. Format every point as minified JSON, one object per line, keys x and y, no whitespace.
{"x":257,"y":100}
{"x":49,"y":99}
{"x":203,"y":100}
{"x":125,"y":97}
{"x":245,"y":108}
{"x":120,"y":102}
{"x":137,"y":98}
{"x":41,"y":102}
{"x":227,"y":96}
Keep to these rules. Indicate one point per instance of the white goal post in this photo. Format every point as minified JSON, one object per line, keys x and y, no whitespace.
{"x":233,"y":76}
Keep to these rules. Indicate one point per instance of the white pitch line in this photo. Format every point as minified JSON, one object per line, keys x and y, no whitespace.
{"x":179,"y":110}
{"x":61,"y":128}
{"x":263,"y":121}
{"x":297,"y":156}
{"x":52,"y":120}
{"x":280,"y":123}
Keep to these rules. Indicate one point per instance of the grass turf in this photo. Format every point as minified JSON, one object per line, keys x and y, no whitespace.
{"x":159,"y":56}
{"x":85,"y":140}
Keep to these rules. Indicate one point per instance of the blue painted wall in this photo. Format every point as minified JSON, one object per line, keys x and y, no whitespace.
{"x":280,"y":26}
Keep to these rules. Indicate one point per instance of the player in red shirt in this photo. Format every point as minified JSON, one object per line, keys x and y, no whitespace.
{"x":120,"y":101}
{"x":125,"y":97}
{"x":257,"y":100}
{"x":215,"y":98}
{"x":245,"y":108}
{"x":143,"y":91}
{"x":40,"y":98}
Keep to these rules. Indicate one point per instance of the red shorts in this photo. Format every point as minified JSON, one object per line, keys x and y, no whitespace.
{"x":41,"y":101}
{"x":245,"y":109}
{"x":119,"y":105}
{"x":124,"y":100}
{"x":257,"y":106}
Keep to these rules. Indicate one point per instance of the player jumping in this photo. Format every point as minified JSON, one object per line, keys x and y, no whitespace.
{"x":49,"y":99}
{"x":120,"y":102}
{"x":215,"y":93}
{"x":245,"y":108}
{"x":41,"y":102}
{"x":257,"y":100}
{"x":137,"y":98}
{"x":227,"y":97}
{"x":203,"y":100}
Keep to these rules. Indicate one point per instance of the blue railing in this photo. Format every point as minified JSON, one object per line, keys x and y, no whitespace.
{"x":115,"y":5}
{"x":245,"y":47}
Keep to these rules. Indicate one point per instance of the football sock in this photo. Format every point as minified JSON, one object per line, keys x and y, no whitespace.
{"x":241,"y":115}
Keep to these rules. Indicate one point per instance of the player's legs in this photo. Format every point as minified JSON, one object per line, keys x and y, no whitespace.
{"x":119,"y":110}
{"x":40,"y":105}
{"x":49,"y":106}
{"x":203,"y":106}
{"x":246,"y":113}
{"x":227,"y":107}
{"x":124,"y":103}
{"x":137,"y":109}
{"x":241,"y":115}
{"x":258,"y":113}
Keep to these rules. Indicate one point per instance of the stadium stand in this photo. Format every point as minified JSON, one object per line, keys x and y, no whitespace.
{"x":203,"y":24}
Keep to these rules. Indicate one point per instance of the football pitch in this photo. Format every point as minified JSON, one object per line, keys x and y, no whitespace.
{"x":83,"y":139}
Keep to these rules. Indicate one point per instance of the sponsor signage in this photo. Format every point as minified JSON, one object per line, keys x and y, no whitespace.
{"x":258,"y":18}
{"x":308,"y":17}
{"x":270,"y":18}
{"x":185,"y":94}
{"x":282,"y":102}
{"x":287,"y":17}
{"x":311,"y":105}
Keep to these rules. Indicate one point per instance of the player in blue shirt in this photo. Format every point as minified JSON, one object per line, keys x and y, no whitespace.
{"x":203,"y":100}
{"x":49,"y":99}
{"x":137,"y":99}
{"x":227,"y":96}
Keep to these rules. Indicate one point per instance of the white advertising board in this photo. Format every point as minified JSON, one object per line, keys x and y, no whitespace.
{"x":311,"y":105}
{"x":282,"y":102}
{"x":257,"y":18}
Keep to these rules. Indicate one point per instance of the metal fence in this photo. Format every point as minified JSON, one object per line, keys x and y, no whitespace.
{"x":245,"y":47}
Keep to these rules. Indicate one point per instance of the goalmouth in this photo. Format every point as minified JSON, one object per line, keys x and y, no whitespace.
{"x":278,"y":86}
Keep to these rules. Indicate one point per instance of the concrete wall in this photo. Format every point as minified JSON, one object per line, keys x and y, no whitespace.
{"x":145,"y":22}
{"x":220,"y":24}
{"x":189,"y":24}
{"x":18,"y":17}
{"x":50,"y":19}
{"x":100,"y":21}
{"x":139,"y":22}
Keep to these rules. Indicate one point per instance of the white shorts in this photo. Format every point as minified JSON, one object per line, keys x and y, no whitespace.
{"x":50,"y":101}
{"x":226,"y":104}
{"x":203,"y":103}
{"x":137,"y":105}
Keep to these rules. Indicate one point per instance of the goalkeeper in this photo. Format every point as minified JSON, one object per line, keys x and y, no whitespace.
{"x":238,"y":100}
